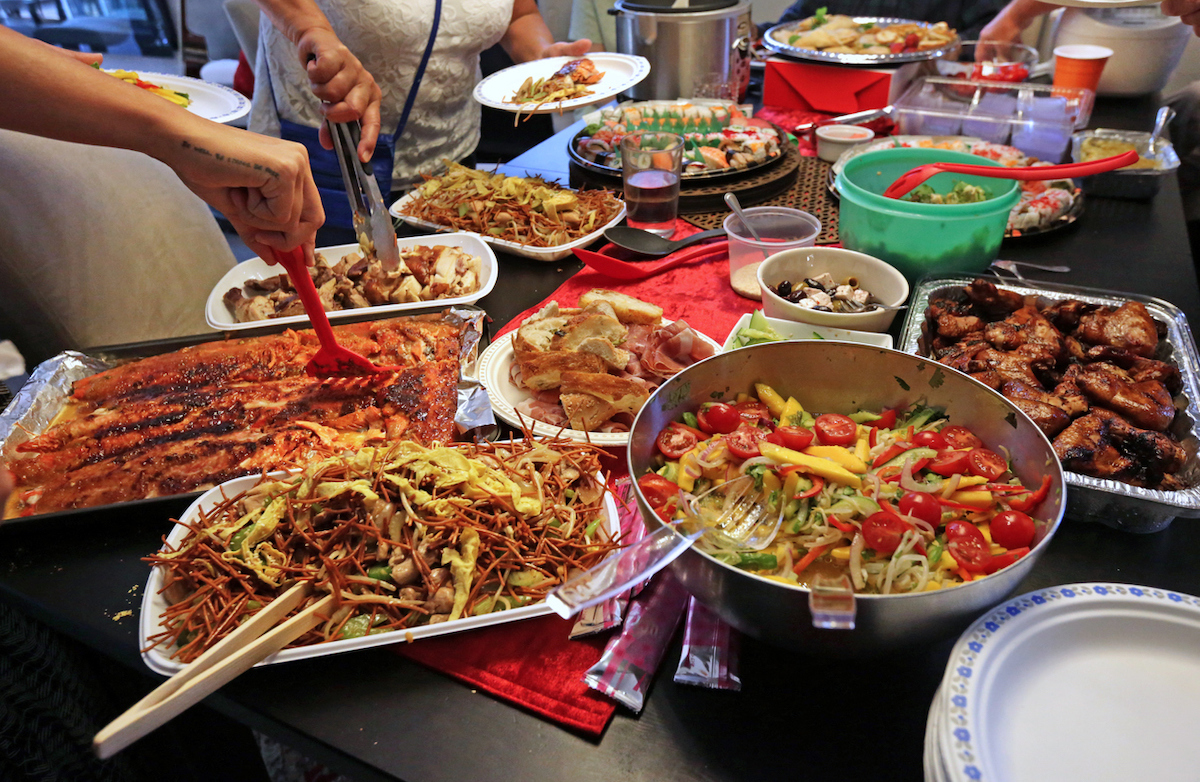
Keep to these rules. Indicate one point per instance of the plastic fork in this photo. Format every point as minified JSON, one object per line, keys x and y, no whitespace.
{"x":332,"y":360}
{"x":907,"y":181}
{"x":739,"y":522}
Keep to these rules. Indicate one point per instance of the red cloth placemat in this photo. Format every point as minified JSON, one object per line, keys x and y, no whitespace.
{"x":699,"y":293}
{"x":530,"y":663}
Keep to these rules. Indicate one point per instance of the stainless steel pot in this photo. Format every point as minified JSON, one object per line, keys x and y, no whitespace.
{"x":702,"y":43}
{"x":843,"y":377}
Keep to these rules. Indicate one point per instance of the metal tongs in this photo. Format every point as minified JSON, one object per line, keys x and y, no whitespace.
{"x":857,"y":118}
{"x":372,"y":223}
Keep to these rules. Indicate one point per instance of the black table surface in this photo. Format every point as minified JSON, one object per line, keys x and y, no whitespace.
{"x":375,"y":715}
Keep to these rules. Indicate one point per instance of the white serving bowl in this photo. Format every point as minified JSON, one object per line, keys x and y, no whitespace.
{"x":886,"y":285}
{"x":833,"y":140}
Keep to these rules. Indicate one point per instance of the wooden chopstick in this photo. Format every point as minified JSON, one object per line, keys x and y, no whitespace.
{"x":231,"y":656}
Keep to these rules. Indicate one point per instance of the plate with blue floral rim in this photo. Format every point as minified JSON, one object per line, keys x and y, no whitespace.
{"x":1095,"y":681}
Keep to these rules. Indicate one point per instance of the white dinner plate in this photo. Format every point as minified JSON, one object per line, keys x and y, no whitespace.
{"x":556,"y":253}
{"x":493,"y":371}
{"x":153,"y":603}
{"x":794,"y":330}
{"x":1085,"y":681}
{"x":219,"y":316}
{"x":211,"y":101}
{"x":621,"y":71}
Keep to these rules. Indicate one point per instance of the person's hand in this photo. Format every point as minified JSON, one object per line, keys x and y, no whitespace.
{"x":568,"y":48}
{"x":262,"y":184}
{"x":345,"y":88}
{"x":1188,"y":12}
{"x":87,"y":58}
{"x":1002,"y":28}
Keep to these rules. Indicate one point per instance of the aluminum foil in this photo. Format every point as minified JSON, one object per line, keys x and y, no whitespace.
{"x":49,"y":387}
{"x":779,"y":47}
{"x":1134,"y":183}
{"x":1115,"y":504}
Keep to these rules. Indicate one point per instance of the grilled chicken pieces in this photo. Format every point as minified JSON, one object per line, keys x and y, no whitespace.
{"x":1084,"y":373}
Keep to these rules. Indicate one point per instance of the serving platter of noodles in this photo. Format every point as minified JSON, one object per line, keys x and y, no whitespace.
{"x":848,"y":45}
{"x":415,"y":541}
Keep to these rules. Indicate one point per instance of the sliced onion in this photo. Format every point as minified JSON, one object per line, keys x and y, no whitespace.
{"x":910,"y":483}
{"x":951,"y":485}
{"x":856,"y":549}
{"x":752,"y":461}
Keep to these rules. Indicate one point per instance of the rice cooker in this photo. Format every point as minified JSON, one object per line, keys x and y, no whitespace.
{"x":690,"y":44}
{"x":1146,"y":45}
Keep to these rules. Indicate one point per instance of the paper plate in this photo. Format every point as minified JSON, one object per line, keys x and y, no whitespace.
{"x":153,"y":603}
{"x":555,"y":253}
{"x":621,"y":71}
{"x":219,"y":317}
{"x":211,"y":101}
{"x":494,"y":367}
{"x":1085,"y":681}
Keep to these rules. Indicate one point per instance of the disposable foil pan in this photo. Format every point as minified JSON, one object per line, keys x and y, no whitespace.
{"x":48,"y":390}
{"x":780,"y":46}
{"x":1132,"y":183}
{"x":1115,"y":504}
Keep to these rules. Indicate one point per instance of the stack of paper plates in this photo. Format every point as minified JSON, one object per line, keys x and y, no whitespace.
{"x":1086,"y":681}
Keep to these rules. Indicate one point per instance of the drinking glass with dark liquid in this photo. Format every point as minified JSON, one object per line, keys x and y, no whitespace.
{"x":652,"y":163}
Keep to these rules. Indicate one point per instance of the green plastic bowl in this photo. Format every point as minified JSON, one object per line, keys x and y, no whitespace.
{"x":920,"y":239}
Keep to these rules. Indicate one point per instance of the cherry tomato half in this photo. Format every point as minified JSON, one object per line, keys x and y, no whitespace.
{"x":886,"y":420}
{"x":932,"y":440}
{"x":949,"y":463}
{"x":795,"y":437}
{"x":921,"y":505}
{"x":718,"y":418}
{"x":835,"y":429}
{"x":960,"y":437}
{"x":754,"y":412}
{"x":743,"y":441}
{"x":882,"y":531}
{"x":1012,"y":529}
{"x":986,"y":464}
{"x":675,"y":441}
{"x":658,"y":490}
{"x":968,"y":546}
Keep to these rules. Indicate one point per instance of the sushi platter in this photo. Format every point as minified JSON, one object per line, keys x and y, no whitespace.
{"x":722,"y":140}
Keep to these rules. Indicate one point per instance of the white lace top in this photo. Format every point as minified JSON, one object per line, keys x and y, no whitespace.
{"x":389,"y":37}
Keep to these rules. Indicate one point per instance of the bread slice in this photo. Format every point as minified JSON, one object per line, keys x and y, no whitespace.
{"x":586,"y":412}
{"x":622,"y":394}
{"x":628,"y":309}
{"x":611,"y":356}
{"x":585,"y":325}
{"x":542,"y":371}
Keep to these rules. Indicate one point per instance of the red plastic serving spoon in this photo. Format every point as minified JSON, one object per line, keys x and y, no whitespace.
{"x":908,"y":181}
{"x":332,"y":360}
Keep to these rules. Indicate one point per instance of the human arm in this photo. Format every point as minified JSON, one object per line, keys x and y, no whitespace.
{"x":528,"y":38}
{"x":346,"y":90}
{"x":1013,"y":19}
{"x":262,"y":184}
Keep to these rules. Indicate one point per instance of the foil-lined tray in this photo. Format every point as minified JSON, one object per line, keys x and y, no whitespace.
{"x":48,"y":390}
{"x":844,"y":58}
{"x":1113,"y":503}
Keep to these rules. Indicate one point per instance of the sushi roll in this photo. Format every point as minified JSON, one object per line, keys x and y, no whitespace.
{"x":1041,"y":211}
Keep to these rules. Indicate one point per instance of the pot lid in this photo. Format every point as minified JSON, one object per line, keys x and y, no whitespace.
{"x":673,"y":6}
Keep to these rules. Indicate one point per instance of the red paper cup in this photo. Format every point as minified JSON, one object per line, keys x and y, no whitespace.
{"x":1079,"y":65}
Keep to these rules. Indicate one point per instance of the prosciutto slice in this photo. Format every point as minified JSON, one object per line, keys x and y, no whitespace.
{"x":672,"y":347}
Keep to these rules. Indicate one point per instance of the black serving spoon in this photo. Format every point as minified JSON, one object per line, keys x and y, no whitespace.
{"x":648,"y":243}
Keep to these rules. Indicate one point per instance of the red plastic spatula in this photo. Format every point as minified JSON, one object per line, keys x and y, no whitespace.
{"x":911,"y":179}
{"x":332,"y":360}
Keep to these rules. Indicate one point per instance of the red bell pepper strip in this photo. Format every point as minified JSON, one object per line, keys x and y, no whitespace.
{"x":818,"y":484}
{"x":1001,"y":561}
{"x":1026,"y":504}
{"x":891,"y":453}
{"x":842,"y":525}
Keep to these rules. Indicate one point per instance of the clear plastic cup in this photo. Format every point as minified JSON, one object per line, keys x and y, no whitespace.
{"x":652,"y":163}
{"x":779,"y":228}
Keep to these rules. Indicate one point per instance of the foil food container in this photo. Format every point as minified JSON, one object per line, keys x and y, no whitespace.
{"x":1132,"y":183}
{"x":48,"y":390}
{"x":1113,"y":503}
{"x":840,"y":58}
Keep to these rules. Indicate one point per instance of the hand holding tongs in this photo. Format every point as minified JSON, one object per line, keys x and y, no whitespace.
{"x":234,"y":654}
{"x":372,"y":223}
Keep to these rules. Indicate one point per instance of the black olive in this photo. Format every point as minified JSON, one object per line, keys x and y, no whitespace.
{"x":784,"y":289}
{"x":796,"y":297}
{"x":813,"y":284}
{"x":822,"y":308}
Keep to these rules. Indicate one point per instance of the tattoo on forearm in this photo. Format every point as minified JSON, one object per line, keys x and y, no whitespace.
{"x":227,"y":159}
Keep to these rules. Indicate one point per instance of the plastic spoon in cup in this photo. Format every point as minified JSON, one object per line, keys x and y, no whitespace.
{"x":648,"y":243}
{"x":332,"y":360}
{"x":911,"y":179}
{"x":733,"y":203}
